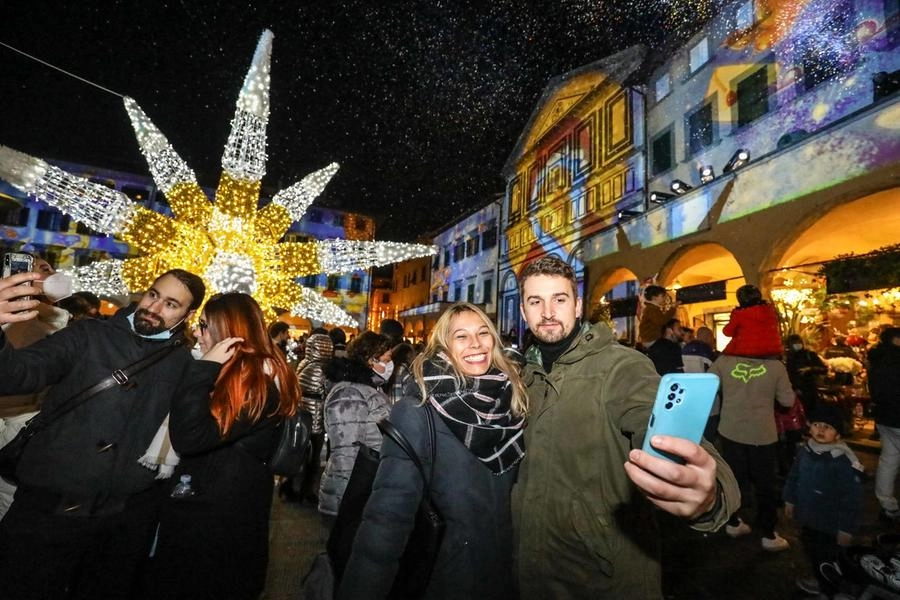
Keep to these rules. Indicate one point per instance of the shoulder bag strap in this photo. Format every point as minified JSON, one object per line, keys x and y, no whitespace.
{"x":117,"y":377}
{"x":431,"y":438}
{"x":392,"y":432}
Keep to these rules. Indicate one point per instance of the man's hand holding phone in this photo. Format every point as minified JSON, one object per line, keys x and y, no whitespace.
{"x":13,"y":308}
{"x":672,"y":469}
{"x":685,"y":490}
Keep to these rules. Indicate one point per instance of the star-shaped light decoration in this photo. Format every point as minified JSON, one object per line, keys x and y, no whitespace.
{"x":230,"y":243}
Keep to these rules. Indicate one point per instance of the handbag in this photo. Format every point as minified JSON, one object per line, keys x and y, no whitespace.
{"x":350,"y":511}
{"x":291,"y":454}
{"x":424,"y":542}
{"x":425,"y":539}
{"x":790,"y":419}
{"x":12,"y":452}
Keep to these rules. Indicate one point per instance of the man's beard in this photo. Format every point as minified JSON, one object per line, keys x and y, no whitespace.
{"x":551,"y":337}
{"x":145,"y":326}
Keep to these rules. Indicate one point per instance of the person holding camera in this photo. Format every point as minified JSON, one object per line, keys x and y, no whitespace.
{"x":85,"y":509}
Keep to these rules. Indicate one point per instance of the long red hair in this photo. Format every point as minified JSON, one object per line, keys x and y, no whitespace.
{"x":242,"y":385}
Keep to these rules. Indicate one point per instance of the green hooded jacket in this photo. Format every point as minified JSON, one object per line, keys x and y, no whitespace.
{"x":582,"y":528}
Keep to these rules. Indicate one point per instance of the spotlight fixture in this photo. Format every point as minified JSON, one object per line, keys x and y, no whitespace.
{"x":660,"y":197}
{"x":707,"y":174}
{"x":738,"y":160}
{"x":629,"y":214}
{"x":680,"y":187}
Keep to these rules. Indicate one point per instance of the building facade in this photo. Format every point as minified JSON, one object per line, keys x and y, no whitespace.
{"x":575,"y":167}
{"x":463,"y":270}
{"x":411,"y":288}
{"x":772,"y":147}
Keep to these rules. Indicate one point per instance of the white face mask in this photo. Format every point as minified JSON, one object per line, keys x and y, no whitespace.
{"x":797,"y":347}
{"x":166,"y":334}
{"x":388,"y":369}
{"x":57,"y":286}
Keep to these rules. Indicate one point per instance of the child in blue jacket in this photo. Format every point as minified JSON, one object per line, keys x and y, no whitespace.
{"x":823,"y":493}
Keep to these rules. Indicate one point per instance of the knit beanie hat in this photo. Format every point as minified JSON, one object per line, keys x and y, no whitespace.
{"x":828,"y":413}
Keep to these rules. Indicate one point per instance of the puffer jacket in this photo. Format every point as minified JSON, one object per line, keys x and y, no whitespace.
{"x":352,"y":411}
{"x":311,"y":373}
{"x":753,"y":331}
{"x":583,"y":530}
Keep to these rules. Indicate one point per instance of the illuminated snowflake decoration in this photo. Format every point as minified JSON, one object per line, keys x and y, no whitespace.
{"x":230,"y":243}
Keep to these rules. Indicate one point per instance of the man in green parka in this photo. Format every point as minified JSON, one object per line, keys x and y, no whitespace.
{"x":583,"y":504}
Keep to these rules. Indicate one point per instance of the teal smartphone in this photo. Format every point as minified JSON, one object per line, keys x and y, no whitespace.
{"x":681,"y":409}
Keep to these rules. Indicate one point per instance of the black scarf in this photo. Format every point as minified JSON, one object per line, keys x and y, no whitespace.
{"x":477,"y":411}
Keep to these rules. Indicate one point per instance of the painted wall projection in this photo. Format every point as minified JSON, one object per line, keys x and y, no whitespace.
{"x":574,"y":166}
{"x":465,"y":268}
{"x":790,"y":82}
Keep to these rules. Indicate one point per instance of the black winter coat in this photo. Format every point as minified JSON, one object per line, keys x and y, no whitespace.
{"x":215,"y":544}
{"x":66,"y":458}
{"x":475,"y":559}
{"x":884,"y":383}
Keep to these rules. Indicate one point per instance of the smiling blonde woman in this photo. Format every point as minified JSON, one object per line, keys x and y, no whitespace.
{"x":477,"y":403}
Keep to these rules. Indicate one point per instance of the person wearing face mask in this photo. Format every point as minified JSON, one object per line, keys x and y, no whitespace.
{"x":17,"y":409}
{"x":383,"y":366}
{"x":804,"y":368}
{"x":50,"y":319}
{"x":471,"y":391}
{"x":85,"y":509}
{"x":352,"y":408}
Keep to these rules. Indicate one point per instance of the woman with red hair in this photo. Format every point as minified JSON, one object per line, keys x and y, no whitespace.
{"x":224,"y":424}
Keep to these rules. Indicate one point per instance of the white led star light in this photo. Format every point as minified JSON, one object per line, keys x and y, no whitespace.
{"x":230,"y":243}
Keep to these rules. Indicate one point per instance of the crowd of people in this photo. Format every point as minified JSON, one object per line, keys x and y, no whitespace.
{"x":772,"y":419}
{"x":141,"y":488}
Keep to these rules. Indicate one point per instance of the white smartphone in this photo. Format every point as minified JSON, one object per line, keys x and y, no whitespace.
{"x":681,"y":409}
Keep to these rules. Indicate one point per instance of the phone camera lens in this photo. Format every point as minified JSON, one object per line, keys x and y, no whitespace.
{"x":671,"y":396}
{"x":669,"y":405}
{"x":674,"y":387}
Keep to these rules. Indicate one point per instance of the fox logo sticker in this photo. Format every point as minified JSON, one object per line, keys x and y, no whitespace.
{"x":746,"y":372}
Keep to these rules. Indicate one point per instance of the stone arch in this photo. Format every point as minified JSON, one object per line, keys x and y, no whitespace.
{"x":510,"y":283}
{"x":859,"y":226}
{"x":508,"y":318}
{"x":695,"y":264}
{"x":698,"y":264}
{"x":789,"y":270}
{"x":608,"y":281}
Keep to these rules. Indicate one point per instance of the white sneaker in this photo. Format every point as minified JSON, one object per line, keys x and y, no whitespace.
{"x":775,"y":544}
{"x":810,"y":585}
{"x":738,"y":530}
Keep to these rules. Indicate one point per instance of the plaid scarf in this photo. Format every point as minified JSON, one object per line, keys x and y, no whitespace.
{"x":477,"y":411}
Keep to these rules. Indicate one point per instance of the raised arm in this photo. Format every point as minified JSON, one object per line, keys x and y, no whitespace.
{"x":12,"y":289}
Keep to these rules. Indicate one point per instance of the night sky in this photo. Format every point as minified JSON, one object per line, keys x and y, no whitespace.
{"x":421,"y":103}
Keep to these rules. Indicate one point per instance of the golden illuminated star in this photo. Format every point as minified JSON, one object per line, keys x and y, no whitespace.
{"x":230,"y":242}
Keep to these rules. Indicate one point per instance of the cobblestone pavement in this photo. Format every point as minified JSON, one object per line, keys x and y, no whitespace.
{"x":695,"y":566}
